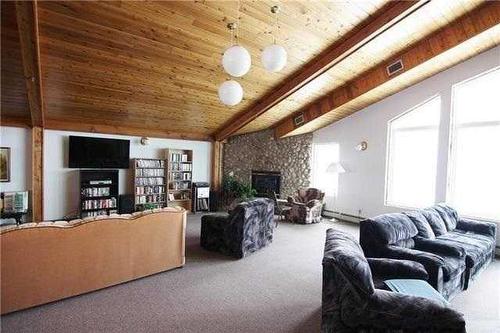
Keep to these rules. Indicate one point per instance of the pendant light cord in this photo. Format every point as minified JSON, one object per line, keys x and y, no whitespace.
{"x":238,"y":22}
{"x":276,"y":26}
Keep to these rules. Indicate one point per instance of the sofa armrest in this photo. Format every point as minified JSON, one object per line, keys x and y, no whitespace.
{"x":433,"y":264}
{"x":484,"y":228}
{"x":385,"y":268}
{"x":312,"y":203}
{"x":394,"y":311}
{"x":439,"y":246}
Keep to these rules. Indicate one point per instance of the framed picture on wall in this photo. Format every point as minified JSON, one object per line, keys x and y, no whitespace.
{"x":4,"y":164}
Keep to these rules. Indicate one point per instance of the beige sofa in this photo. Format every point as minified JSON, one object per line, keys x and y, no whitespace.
{"x":48,"y":261}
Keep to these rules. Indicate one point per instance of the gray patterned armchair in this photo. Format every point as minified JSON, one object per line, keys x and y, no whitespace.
{"x":246,"y":229}
{"x":352,"y":303}
{"x":306,"y":206}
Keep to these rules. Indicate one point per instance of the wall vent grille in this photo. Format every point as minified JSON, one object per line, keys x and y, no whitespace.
{"x":395,"y":67}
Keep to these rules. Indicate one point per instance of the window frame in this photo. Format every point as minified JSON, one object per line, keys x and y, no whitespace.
{"x":387,"y":202}
{"x":450,"y":170}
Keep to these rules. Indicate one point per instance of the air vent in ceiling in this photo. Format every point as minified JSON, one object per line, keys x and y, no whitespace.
{"x":395,"y":67}
{"x":298,"y":120}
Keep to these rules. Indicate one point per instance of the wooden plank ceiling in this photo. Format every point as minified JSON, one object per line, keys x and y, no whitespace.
{"x":155,"y":66}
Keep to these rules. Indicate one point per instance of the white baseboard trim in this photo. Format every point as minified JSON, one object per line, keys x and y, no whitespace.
{"x":342,"y":216}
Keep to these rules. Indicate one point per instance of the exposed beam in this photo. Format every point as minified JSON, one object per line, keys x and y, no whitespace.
{"x":386,"y":17}
{"x":15,"y":121}
{"x":64,"y":125}
{"x":37,"y":173}
{"x":27,"y":21}
{"x":464,"y":28}
{"x":216,"y":178}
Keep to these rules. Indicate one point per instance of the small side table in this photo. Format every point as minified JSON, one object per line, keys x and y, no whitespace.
{"x":18,"y":216}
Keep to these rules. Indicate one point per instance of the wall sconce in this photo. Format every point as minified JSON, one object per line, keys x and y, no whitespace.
{"x":363,"y":145}
{"x":144,"y":141}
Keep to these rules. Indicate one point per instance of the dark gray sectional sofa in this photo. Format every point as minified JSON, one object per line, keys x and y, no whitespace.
{"x":247,"y":228}
{"x":452,"y":249}
{"x":352,"y":302}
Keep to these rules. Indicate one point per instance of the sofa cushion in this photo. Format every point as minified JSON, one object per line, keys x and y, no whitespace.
{"x":452,"y":267}
{"x":435,"y":221}
{"x":394,"y":227}
{"x":343,"y":251}
{"x":478,"y":248}
{"x":448,"y":214}
{"x":423,"y":227}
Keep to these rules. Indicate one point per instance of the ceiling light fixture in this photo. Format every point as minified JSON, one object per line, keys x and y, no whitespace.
{"x":236,"y":59}
{"x":274,"y":56}
{"x":230,"y":93}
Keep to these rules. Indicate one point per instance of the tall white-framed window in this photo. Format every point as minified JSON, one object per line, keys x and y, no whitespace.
{"x":474,"y":161}
{"x":323,"y":155}
{"x":412,"y":154}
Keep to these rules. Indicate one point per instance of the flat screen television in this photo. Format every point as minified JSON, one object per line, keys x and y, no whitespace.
{"x":88,"y":152}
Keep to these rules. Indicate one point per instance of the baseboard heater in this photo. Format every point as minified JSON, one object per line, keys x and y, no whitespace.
{"x":342,"y":216}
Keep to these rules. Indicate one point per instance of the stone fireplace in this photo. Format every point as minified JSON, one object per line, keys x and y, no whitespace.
{"x":266,"y":183}
{"x":288,"y":157}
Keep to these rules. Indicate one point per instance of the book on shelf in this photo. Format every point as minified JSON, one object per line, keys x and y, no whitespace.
{"x":140,"y":163}
{"x":149,"y":172}
{"x":178,"y":157}
{"x":99,"y":203}
{"x":202,"y":204}
{"x":160,"y":189}
{"x":149,"y":181}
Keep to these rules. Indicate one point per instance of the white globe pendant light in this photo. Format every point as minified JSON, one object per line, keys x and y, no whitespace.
{"x":274,"y":58}
{"x":236,"y":61}
{"x":230,"y":93}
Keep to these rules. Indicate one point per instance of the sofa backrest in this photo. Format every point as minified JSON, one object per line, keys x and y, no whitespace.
{"x":420,"y":221}
{"x":44,"y":262}
{"x":259,"y":211}
{"x":307,"y":194}
{"x":345,"y":255}
{"x":448,"y":214}
{"x":393,"y":228}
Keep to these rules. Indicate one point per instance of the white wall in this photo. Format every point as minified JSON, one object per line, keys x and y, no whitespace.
{"x":61,"y":184}
{"x":19,"y":141}
{"x":361,"y":189}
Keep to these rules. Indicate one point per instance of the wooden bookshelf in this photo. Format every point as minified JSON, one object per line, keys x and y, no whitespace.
{"x":150,"y":183}
{"x":98,"y":192}
{"x":180,"y":177}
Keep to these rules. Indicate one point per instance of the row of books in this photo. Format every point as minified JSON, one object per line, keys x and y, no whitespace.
{"x":99,"y":204}
{"x":150,"y":172}
{"x":149,"y":163}
{"x":98,"y":213}
{"x":142,"y":199}
{"x":96,"y":191}
{"x":150,"y":189}
{"x":178,"y":157}
{"x":179,"y":196}
{"x":149,"y":181}
{"x":179,"y":185}
{"x":202,"y":204}
{"x":181,"y":176}
{"x":181,"y":167}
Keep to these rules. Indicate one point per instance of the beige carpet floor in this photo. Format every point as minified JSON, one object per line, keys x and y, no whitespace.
{"x":277,"y":289}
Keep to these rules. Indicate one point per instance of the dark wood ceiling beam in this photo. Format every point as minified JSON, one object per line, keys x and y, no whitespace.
{"x":15,"y":121}
{"x":485,"y":17}
{"x":27,"y":20}
{"x":386,"y":17}
{"x":64,"y":125}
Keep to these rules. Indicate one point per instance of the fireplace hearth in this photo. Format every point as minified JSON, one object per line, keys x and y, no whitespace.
{"x":266,"y":183}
